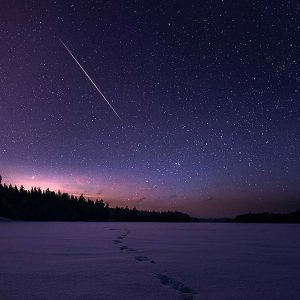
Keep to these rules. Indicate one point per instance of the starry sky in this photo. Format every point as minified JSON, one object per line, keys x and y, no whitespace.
{"x":208,"y":93}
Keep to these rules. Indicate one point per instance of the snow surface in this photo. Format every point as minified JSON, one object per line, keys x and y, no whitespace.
{"x":58,"y":260}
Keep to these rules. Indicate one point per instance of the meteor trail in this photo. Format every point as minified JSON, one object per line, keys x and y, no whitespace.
{"x":87,"y":75}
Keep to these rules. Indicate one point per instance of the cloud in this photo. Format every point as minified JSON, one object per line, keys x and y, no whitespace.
{"x":139,"y":201}
{"x":209,"y":198}
{"x":100,"y":192}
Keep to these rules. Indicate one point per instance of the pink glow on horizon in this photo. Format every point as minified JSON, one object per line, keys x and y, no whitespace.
{"x":110,"y":189}
{"x":122,"y":190}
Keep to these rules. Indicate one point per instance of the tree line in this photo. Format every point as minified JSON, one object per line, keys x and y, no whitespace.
{"x":37,"y":205}
{"x":267,"y":217}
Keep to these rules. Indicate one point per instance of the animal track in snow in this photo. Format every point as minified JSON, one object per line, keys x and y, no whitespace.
{"x":117,"y":242}
{"x":186,"y":293}
{"x":144,"y":258}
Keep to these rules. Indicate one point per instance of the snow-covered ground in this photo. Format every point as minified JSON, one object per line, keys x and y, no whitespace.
{"x":149,"y":261}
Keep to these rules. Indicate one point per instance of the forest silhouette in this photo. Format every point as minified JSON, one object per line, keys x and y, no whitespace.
{"x":267,"y":217}
{"x":37,"y":205}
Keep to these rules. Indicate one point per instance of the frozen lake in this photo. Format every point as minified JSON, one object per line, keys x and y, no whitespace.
{"x":149,"y":261}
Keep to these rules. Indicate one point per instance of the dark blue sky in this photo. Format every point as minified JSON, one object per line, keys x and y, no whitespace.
{"x":208,"y":93}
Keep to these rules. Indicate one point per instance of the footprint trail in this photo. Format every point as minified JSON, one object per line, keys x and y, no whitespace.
{"x":185,"y":292}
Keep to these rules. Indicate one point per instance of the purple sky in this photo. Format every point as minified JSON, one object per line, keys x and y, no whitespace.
{"x":208,"y":94}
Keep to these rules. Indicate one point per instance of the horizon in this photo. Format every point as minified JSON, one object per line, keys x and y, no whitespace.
{"x":160,"y":106}
{"x":136,"y":204}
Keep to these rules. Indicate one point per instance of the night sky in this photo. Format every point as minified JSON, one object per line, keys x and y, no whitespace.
{"x":208,"y":93}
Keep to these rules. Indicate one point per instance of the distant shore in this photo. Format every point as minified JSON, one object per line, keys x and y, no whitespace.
{"x":3,"y":219}
{"x":37,"y":205}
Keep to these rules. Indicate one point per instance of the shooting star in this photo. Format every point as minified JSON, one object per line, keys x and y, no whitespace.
{"x":90,"y":79}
